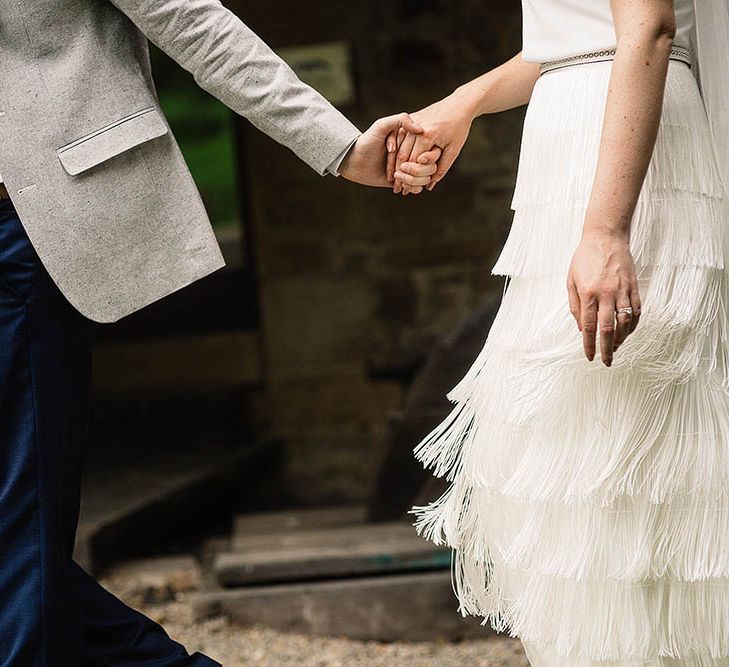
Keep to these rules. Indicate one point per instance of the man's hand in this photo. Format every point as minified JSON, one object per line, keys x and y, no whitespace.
{"x":371,"y":160}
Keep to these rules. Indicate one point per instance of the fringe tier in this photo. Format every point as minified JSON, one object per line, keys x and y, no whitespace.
{"x":588,"y":508}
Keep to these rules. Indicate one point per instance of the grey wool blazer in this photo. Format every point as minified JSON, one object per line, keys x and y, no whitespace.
{"x":88,"y":157}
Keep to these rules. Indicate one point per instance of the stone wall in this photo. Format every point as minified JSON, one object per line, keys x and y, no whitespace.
{"x":356,"y":285}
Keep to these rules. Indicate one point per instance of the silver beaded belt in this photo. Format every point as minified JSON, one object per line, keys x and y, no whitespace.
{"x":677,"y":53}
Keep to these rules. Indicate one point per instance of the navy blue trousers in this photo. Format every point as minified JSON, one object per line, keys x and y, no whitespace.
{"x":52,"y":613}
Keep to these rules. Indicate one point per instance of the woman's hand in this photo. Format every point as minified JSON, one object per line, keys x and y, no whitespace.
{"x":601,"y":281}
{"x":602,"y":275}
{"x":447,"y":124}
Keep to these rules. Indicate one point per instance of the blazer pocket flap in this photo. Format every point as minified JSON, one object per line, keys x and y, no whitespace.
{"x":111,"y":140}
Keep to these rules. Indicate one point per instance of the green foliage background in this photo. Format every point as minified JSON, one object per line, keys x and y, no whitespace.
{"x":203,"y":127}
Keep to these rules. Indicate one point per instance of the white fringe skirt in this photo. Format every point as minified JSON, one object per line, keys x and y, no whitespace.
{"x":588,"y":507}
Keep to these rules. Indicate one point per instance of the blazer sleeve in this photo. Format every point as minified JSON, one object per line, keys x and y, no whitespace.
{"x":231,"y":62}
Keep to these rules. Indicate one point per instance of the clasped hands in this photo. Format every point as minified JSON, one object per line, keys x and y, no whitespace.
{"x":418,"y":160}
{"x":420,"y":148}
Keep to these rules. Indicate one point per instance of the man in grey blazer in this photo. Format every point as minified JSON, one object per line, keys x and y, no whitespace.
{"x":100,"y":217}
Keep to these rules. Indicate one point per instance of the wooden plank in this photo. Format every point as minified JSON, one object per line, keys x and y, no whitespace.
{"x":415,"y":607}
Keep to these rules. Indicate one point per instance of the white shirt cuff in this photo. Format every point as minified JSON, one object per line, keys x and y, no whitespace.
{"x":333,"y":168}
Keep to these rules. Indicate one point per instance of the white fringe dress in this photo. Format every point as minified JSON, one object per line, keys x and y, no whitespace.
{"x":588,"y":507}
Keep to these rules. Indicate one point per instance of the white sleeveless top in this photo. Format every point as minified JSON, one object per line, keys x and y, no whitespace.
{"x":555,"y":29}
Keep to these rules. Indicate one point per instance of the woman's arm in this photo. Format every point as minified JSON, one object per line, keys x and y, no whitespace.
{"x":505,"y":87}
{"x":602,"y":274}
{"x":448,"y":122}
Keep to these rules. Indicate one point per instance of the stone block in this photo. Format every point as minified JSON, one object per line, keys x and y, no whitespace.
{"x":314,"y":323}
{"x":314,"y":404}
{"x":295,"y":520}
{"x":334,"y":467}
{"x":414,"y":607}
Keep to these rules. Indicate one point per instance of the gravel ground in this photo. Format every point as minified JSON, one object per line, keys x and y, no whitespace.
{"x":162,"y":594}
{"x":263,"y":647}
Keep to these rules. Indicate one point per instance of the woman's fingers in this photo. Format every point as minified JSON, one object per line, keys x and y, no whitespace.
{"x":574,"y":297}
{"x":420,"y":146}
{"x":413,"y":174}
{"x":412,"y":181}
{"x":403,"y":155}
{"x":415,"y":169}
{"x":624,"y":320}
{"x":444,"y":164}
{"x":602,"y":272}
{"x":401,"y":134}
{"x":635,"y":304}
{"x":588,"y":317}
{"x":601,"y":318}
{"x":432,"y":155}
{"x":627,"y":321}
{"x":606,"y":314}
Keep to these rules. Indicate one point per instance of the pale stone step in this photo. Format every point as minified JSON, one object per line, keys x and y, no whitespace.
{"x":414,"y":607}
{"x":343,"y":551}
{"x":246,"y":525}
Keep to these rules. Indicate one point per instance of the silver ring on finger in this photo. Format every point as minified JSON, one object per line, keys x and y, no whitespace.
{"x":627,"y":310}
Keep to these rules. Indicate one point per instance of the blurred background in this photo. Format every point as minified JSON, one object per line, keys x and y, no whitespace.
{"x":250,"y":465}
